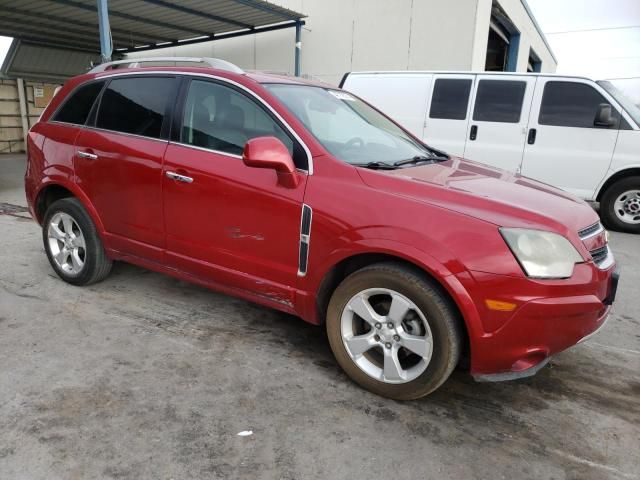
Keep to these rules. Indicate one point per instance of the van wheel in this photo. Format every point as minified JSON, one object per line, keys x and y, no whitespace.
{"x":620,"y":206}
{"x":393,"y":331}
{"x":72,"y":243}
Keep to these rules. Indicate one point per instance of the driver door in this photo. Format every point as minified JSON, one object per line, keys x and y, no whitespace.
{"x":225,"y":221}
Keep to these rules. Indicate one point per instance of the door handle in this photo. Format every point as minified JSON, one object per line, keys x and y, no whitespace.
{"x":87,"y":155}
{"x":178,"y":177}
{"x":473,"y":134}
{"x":531,"y":138}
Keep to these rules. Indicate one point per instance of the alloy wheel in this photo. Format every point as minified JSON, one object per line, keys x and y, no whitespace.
{"x":66,"y":243}
{"x":386,"y":335}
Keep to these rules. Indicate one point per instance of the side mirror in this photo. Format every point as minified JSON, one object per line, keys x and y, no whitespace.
{"x":269,"y":152}
{"x":604,"y":116}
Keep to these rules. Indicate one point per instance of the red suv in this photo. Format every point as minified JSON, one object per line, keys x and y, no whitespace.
{"x":304,"y":198}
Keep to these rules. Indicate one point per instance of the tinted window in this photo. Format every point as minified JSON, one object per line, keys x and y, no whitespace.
{"x":569,"y":104}
{"x":499,"y":101}
{"x":450,"y":99}
{"x":135,"y":105}
{"x":220,"y":118}
{"x":77,"y":107}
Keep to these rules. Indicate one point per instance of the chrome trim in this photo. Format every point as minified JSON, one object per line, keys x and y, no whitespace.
{"x":218,"y":152}
{"x":127,"y":134}
{"x":178,"y":177}
{"x":208,"y":150}
{"x":305,"y":239}
{"x":135,"y":63}
{"x":608,"y":261}
{"x":596,"y":232}
{"x":87,"y":155}
{"x":229,"y":81}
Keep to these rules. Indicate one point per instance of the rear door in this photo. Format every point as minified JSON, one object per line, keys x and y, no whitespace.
{"x":498,"y":127}
{"x":565,"y":148}
{"x":448,"y":113}
{"x":118,"y":161}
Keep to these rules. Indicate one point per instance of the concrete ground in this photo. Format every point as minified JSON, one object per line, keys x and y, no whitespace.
{"x":143,"y":376}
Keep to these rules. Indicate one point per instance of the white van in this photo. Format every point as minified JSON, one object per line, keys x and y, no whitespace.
{"x":574,"y":133}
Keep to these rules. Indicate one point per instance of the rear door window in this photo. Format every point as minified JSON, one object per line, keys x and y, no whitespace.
{"x":571,"y":104}
{"x":499,"y":101}
{"x":136,"y":105}
{"x":77,"y":107}
{"x":450,"y":99}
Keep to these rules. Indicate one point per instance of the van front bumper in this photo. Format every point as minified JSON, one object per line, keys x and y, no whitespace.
{"x":549,"y":317}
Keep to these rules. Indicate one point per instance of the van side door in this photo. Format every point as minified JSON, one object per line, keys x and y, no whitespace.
{"x":498,"y":127}
{"x":447,"y":113}
{"x":566,"y":147}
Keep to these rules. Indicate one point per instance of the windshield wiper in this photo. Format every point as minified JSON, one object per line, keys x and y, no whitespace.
{"x":377,"y":165}
{"x":416,"y":159}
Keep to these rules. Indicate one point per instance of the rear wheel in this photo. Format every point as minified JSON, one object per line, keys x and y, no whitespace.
{"x":394,"y":331}
{"x":72,"y":243}
{"x":620,"y":205}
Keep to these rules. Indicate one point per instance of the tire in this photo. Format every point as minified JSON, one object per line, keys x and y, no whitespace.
{"x":430,"y":315}
{"x":78,"y":257}
{"x":621,"y":212}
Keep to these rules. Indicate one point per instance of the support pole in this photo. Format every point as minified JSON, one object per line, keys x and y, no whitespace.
{"x":106,"y":46}
{"x":24,"y":110}
{"x":298,"y":47}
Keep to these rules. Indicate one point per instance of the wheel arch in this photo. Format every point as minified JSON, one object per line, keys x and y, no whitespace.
{"x":619,"y":175}
{"x":449,"y":286}
{"x":56,"y":189}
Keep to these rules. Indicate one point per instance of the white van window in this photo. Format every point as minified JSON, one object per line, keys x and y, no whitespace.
{"x":626,"y":102}
{"x":571,"y":104}
{"x":499,"y":101}
{"x":450,"y":98}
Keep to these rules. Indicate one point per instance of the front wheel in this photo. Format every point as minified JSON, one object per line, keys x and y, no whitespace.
{"x":72,"y":243}
{"x":620,"y":205}
{"x":394,"y":331}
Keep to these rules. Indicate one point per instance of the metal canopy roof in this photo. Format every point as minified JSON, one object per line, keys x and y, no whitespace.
{"x":139,"y":24}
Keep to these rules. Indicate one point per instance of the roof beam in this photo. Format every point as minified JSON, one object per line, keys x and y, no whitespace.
{"x":115,"y":13}
{"x":82,"y":34}
{"x":197,"y":13}
{"x":46,"y":42}
{"x":219,"y":36}
{"x":19,"y":31}
{"x":144,"y":38}
{"x":265,"y":7}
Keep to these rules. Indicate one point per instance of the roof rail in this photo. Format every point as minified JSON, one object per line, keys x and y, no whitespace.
{"x":135,"y":62}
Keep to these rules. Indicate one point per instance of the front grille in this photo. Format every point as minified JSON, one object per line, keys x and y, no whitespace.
{"x":590,"y":231}
{"x":599,"y":255}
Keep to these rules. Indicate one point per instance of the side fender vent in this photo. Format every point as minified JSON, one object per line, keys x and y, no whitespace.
{"x":305,"y":239}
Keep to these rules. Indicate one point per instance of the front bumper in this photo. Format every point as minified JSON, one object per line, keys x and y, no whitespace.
{"x":549,"y":317}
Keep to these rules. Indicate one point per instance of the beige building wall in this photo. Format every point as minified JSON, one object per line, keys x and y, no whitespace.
{"x":11,"y":130}
{"x":351,"y":35}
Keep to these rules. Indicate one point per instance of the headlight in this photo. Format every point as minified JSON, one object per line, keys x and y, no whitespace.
{"x":542,"y":254}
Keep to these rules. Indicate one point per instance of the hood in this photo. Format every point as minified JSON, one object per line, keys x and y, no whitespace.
{"x":486,"y":193}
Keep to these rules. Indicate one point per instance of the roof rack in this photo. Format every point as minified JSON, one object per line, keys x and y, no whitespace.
{"x":135,"y":63}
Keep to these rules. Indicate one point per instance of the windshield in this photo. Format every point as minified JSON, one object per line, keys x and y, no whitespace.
{"x":631,"y":108}
{"x":347,"y":127}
